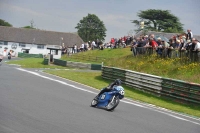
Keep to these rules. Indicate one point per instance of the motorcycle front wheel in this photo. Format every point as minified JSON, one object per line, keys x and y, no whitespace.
{"x":94,"y":102}
{"x":112,"y":104}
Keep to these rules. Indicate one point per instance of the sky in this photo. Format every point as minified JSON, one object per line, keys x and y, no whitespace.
{"x":63,"y":15}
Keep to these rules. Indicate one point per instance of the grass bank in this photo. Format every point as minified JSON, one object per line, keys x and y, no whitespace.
{"x":33,"y":63}
{"x":123,"y":58}
{"x":95,"y":80}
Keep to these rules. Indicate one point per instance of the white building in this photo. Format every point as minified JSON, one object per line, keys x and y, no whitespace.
{"x":34,"y":41}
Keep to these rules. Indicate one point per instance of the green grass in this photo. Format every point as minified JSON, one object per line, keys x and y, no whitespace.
{"x":169,"y":68}
{"x":33,"y":63}
{"x":106,"y":53}
{"x":95,"y":80}
{"x":123,"y":58}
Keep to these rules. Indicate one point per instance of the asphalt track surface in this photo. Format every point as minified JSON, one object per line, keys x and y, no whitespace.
{"x":34,"y":102}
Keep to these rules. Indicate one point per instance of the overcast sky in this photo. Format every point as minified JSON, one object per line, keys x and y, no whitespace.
{"x":63,"y":15}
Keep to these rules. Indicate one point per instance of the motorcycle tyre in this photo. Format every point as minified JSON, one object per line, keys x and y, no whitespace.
{"x":94,"y":105}
{"x":116,"y":103}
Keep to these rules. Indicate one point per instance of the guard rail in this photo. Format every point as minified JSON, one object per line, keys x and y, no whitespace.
{"x":177,"y":90}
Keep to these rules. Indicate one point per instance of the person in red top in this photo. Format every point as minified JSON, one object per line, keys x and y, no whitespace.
{"x":112,"y":40}
{"x":153,"y":43}
{"x":124,"y":38}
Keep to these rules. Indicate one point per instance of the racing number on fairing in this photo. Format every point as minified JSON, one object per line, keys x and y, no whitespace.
{"x":103,"y":96}
{"x":122,"y":92}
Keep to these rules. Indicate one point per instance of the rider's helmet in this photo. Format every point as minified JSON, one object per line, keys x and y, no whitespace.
{"x":118,"y":82}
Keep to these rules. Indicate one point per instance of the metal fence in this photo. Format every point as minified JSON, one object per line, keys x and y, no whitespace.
{"x":189,"y":55}
{"x":177,"y":90}
{"x":181,"y":91}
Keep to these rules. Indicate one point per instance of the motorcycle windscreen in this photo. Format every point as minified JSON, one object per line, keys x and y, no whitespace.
{"x":104,"y":99}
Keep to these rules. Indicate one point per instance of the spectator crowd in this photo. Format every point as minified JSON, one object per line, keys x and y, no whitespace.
{"x":140,"y":45}
{"x":173,"y":47}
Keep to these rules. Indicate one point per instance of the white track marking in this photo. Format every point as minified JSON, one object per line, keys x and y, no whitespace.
{"x":167,"y":110}
{"x":64,"y":83}
{"x":136,"y":104}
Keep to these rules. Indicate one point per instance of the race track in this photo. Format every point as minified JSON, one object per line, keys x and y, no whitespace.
{"x":35,"y":102}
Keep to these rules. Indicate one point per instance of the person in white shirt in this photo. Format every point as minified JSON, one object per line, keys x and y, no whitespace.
{"x":189,"y":35}
{"x":197,"y":46}
{"x":82,"y":47}
{"x":93,"y":44}
{"x":197,"y":49}
{"x":1,"y":57}
{"x":75,"y":48}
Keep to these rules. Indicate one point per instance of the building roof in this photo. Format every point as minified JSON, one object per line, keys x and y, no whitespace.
{"x":23,"y":35}
{"x":167,"y":35}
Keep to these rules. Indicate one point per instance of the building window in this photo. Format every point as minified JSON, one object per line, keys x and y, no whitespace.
{"x":40,"y":46}
{"x":55,"y":52}
{"x":1,"y":43}
{"x":22,"y":45}
{"x":5,"y":43}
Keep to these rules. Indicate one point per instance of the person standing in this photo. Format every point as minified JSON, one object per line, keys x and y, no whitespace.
{"x":68,"y":50}
{"x":189,"y":35}
{"x":1,"y":58}
{"x":75,"y":48}
{"x":82,"y":47}
{"x":93,"y":45}
{"x":72,"y":49}
{"x":9,"y":55}
{"x":197,"y":50}
{"x":133,"y":47}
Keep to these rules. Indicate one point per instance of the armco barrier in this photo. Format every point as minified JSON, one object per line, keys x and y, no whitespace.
{"x":179,"y":91}
{"x":60,"y":62}
{"x":95,"y":67}
{"x":25,"y":55}
{"x":46,"y":61}
{"x":78,"y":64}
{"x":113,"y":73}
{"x":144,"y":82}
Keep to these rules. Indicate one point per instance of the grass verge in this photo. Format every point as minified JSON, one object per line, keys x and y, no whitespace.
{"x":123,"y":58}
{"x":33,"y":63}
{"x":95,"y":80}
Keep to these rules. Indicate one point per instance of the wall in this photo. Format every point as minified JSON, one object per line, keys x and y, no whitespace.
{"x":77,"y":64}
{"x":33,"y":49}
{"x":25,"y":55}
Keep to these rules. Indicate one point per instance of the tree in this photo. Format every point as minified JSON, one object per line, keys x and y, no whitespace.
{"x":4,"y":23}
{"x":91,"y":28}
{"x":31,"y":26}
{"x":28,"y":27}
{"x":159,"y":20}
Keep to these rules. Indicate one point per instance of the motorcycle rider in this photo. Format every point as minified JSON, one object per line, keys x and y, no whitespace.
{"x":1,"y":57}
{"x":109,"y":87}
{"x":9,"y":55}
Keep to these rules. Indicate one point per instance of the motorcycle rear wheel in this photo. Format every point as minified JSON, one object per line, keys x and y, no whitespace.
{"x":112,"y":104}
